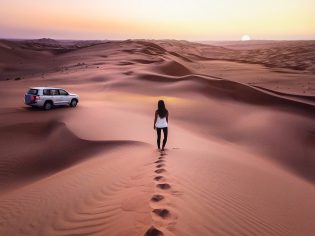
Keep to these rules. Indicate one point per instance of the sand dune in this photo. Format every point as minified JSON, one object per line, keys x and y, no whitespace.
{"x":48,"y":147}
{"x":240,"y":155}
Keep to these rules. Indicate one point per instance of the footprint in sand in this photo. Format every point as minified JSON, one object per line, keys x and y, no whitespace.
{"x":157,"y":198}
{"x":159,"y":161}
{"x":161,"y":212}
{"x":161,"y":158}
{"x":163,"y":186}
{"x":159,"y":171}
{"x":153,"y":232}
{"x":158,"y":178}
{"x":160,"y":165}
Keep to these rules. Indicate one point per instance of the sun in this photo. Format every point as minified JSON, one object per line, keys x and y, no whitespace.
{"x":245,"y":38}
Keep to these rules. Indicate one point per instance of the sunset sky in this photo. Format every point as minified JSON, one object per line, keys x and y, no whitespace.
{"x":173,"y":19}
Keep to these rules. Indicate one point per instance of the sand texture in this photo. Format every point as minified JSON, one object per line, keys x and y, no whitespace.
{"x":240,"y":158}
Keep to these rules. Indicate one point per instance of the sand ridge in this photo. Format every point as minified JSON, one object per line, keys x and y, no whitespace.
{"x":239,"y":158}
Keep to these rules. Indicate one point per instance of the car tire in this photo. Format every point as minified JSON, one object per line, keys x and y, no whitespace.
{"x":73,"y":103}
{"x":47,"y":106}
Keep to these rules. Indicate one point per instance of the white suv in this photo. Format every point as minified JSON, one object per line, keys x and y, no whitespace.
{"x":47,"y":97}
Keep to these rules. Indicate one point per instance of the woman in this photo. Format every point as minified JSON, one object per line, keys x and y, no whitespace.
{"x":160,"y":123}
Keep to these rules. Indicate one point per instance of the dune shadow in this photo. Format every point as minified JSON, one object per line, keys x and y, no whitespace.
{"x":49,"y":147}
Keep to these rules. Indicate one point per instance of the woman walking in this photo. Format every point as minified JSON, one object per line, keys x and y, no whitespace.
{"x":161,"y":123}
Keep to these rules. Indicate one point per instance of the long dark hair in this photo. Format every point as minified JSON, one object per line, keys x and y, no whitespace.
{"x":162,"y":111}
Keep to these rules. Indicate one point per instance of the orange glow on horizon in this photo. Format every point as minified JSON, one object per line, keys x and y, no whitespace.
{"x":185,"y":19}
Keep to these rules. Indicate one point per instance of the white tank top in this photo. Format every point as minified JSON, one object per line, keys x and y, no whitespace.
{"x":161,"y":122}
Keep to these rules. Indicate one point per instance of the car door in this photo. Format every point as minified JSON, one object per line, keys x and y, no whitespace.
{"x":56,"y":97}
{"x":64,"y":97}
{"x":47,"y":95}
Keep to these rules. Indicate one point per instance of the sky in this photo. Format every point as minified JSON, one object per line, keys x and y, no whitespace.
{"x":158,"y":19}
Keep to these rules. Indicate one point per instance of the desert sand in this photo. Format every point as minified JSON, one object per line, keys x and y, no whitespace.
{"x":240,"y":157}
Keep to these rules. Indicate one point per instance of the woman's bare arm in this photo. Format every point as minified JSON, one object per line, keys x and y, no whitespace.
{"x":167,"y":116}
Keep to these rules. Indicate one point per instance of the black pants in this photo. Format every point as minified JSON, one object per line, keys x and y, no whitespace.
{"x":158,"y":131}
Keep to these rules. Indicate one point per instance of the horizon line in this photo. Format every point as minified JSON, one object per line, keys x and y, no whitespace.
{"x":126,"y":39}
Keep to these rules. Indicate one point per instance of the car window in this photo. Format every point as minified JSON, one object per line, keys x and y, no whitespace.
{"x":33,"y":91}
{"x":54,"y":92}
{"x":62,"y":92}
{"x":47,"y":92}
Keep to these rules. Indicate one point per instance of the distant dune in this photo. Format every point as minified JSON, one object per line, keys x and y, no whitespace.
{"x":240,"y":155}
